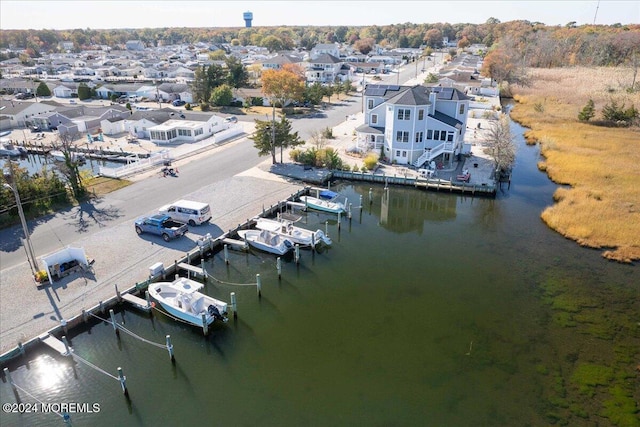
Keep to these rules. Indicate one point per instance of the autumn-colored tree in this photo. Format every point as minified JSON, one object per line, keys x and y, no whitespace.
{"x":364,"y":46}
{"x":433,"y":38}
{"x":282,"y":86}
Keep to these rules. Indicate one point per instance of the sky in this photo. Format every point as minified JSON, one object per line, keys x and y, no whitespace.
{"x":103,"y":14}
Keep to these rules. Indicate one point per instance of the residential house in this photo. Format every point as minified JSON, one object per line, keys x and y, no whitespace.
{"x":167,"y":126}
{"x":323,"y":69}
{"x":66,"y":90}
{"x":325,"y":49}
{"x":15,"y":114}
{"x":413,"y":125}
{"x":276,"y":62}
{"x":135,"y":45}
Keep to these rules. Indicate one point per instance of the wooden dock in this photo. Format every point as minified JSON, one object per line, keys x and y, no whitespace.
{"x":192,"y":269}
{"x":140,"y":303}
{"x":54,"y":343}
{"x":433,"y":184}
{"x":240,"y":245}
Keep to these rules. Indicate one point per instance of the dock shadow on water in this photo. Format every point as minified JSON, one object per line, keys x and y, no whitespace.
{"x":430,"y":309}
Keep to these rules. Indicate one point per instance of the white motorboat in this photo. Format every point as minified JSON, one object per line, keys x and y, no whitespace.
{"x":7,"y":149}
{"x":322,"y":204}
{"x":267,"y":241}
{"x":297,"y":235}
{"x":59,"y":156}
{"x":182,"y":300}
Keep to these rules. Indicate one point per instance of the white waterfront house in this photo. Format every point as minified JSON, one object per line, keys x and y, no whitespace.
{"x":413,"y":125}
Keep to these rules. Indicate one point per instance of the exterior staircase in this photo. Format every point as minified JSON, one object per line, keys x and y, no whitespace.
{"x":431,"y":154}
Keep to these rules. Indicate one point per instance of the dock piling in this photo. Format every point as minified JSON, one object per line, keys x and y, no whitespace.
{"x":234,"y":305}
{"x":226,"y":254}
{"x":118,"y":294}
{"x":170,"y":348}
{"x":123,"y":381}
{"x":63,"y":323}
{"x":113,"y":322}
{"x":66,"y":346}
{"x":279,"y":267}
{"x":296,"y":252}
{"x":259,"y":285}
{"x":7,"y":374}
{"x":205,"y":326}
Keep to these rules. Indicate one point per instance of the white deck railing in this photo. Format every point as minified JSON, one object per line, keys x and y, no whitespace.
{"x":136,"y":166}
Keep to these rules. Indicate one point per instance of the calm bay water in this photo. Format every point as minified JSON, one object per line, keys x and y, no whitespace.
{"x":429,"y":309}
{"x":35,"y":162}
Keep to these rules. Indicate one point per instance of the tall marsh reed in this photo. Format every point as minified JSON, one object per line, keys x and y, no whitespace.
{"x":601,"y":208}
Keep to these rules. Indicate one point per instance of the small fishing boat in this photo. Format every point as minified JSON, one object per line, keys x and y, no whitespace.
{"x":182,"y":300}
{"x":267,"y":241}
{"x":322,"y":204}
{"x":59,"y":156}
{"x":285,"y":228}
{"x":7,"y":149}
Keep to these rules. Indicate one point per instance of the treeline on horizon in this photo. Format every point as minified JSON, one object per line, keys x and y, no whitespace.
{"x":535,"y":44}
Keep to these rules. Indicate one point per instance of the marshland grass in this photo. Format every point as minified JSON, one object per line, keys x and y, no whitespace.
{"x":600,"y":207}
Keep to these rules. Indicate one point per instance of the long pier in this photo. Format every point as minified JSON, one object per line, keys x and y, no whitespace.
{"x":433,"y":184}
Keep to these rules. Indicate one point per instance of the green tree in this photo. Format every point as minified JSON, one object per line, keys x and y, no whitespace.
{"x":43,"y":90}
{"x":313,"y":93}
{"x":272,"y":43}
{"x":84,"y":92}
{"x":347,"y":87}
{"x":221,"y":96}
{"x":237,"y":74}
{"x":218,"y":55}
{"x":588,"y":112}
{"x":266,"y":139}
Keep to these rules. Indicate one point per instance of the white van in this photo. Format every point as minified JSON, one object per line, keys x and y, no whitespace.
{"x":187,"y":211}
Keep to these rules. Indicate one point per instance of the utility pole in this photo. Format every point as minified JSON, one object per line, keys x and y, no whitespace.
{"x":12,"y":185}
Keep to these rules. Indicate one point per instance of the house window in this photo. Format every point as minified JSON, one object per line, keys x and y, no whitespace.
{"x":436,"y":135}
{"x":404,"y":153}
{"x":402,"y":136}
{"x":420,"y":114}
{"x":450,"y":137}
{"x":429,"y":134}
{"x":461,"y":110}
{"x":404,"y":114}
{"x":443,"y":135}
{"x":370,"y":104}
{"x":419,"y":136}
{"x":374,"y":119}
{"x":397,"y":153}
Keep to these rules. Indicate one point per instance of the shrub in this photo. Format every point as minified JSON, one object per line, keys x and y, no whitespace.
{"x":370,"y":162}
{"x":187,"y":107}
{"x":588,"y":111}
{"x":204,"y":106}
{"x":327,"y":133}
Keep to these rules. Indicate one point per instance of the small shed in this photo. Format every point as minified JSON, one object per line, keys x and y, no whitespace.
{"x":64,"y":262}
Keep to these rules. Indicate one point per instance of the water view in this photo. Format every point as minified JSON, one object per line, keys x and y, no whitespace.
{"x":429,"y":309}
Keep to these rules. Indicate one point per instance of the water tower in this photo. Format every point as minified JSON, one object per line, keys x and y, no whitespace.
{"x":248,"y":16}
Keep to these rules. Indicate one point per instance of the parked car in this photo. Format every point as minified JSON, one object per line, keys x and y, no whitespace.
{"x":187,"y":211}
{"x":231,"y":119}
{"x":178,"y":103}
{"x":161,"y":225}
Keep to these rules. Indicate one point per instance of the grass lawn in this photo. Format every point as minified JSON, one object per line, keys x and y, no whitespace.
{"x":600,"y":207}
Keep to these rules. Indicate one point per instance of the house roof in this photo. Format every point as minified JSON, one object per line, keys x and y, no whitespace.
{"x":165,"y":114}
{"x":173,"y":87}
{"x":325,"y":58}
{"x":447,"y":93}
{"x":412,"y":96}
{"x":384,"y":91}
{"x":370,"y":130}
{"x":441,"y":117}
